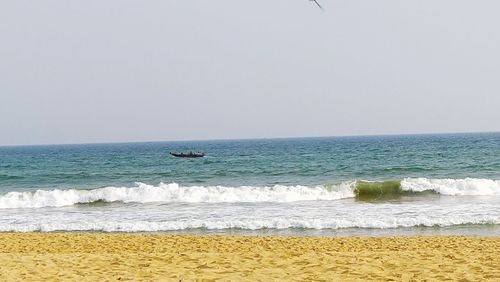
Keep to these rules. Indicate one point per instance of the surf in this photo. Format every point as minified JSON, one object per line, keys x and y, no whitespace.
{"x":174,"y":193}
{"x":361,"y":190}
{"x":370,"y":190}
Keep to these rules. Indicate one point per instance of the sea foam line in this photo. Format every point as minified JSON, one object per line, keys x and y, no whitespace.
{"x":250,"y":224}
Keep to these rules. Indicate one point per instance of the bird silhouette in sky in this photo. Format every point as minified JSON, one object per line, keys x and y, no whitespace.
{"x":315,"y":1}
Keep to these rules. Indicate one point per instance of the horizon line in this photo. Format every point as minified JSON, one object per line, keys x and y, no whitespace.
{"x":247,"y":138}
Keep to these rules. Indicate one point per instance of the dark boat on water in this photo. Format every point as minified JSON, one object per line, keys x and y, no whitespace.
{"x":188,"y":155}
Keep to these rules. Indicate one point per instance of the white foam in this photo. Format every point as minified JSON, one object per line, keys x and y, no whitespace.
{"x":172,"y":192}
{"x":382,"y":222}
{"x":454,"y":187}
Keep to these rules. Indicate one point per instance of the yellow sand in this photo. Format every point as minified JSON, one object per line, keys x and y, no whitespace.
{"x":101,"y":257}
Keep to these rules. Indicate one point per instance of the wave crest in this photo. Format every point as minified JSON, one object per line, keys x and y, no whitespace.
{"x":408,"y":186}
{"x":453,"y":187}
{"x":172,"y":192}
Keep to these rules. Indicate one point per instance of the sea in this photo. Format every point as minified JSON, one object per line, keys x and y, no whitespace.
{"x":446,"y":184}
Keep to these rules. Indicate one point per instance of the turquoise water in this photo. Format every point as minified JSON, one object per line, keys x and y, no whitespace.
{"x":252,"y":162}
{"x":277,"y":185}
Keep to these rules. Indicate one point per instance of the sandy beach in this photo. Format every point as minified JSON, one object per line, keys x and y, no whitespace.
{"x":92,"y":257}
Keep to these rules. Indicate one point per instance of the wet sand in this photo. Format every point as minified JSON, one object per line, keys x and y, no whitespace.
{"x":115,"y":257}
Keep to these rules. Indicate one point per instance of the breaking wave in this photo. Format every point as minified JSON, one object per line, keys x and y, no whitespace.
{"x":174,"y":193}
{"x":453,"y":187}
{"x":408,"y":186}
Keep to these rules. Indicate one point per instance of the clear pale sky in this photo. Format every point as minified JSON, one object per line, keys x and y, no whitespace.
{"x":121,"y":70}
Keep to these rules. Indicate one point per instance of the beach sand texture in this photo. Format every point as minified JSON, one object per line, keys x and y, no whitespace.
{"x":149,"y":257}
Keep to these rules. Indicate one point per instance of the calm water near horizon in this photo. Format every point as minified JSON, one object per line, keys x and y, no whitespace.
{"x":446,"y":184}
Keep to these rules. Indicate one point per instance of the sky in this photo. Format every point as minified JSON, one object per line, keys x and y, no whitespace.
{"x":124,"y":71}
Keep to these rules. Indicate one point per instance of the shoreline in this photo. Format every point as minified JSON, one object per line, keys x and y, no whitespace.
{"x":140,"y":256}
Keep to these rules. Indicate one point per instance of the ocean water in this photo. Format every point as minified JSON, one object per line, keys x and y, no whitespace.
{"x":375,"y":185}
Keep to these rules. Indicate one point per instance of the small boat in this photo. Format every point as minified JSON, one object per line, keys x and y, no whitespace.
{"x":188,"y":155}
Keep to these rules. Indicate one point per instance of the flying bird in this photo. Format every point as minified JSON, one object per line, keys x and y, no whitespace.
{"x":315,"y":1}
